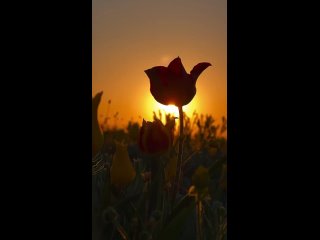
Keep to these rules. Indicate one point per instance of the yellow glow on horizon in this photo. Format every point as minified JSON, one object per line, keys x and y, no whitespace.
{"x":169,"y":109}
{"x":151,"y":105}
{"x":173,"y":110}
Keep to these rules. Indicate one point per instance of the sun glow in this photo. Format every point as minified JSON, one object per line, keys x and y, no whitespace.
{"x":151,"y":105}
{"x":169,"y":109}
{"x":173,"y":110}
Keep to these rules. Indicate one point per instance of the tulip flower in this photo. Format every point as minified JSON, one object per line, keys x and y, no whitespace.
{"x":172,"y":84}
{"x":121,"y":171}
{"x":201,"y":178}
{"x":97,"y":136}
{"x":154,"y":137}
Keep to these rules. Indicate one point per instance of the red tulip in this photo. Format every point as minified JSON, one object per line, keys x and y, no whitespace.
{"x":172,"y":84}
{"x":154,"y":137}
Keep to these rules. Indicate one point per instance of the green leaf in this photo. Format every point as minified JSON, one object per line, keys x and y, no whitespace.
{"x":182,"y":204}
{"x":111,"y":214}
{"x":215,"y":168}
{"x":177,"y":221}
{"x":135,"y":187}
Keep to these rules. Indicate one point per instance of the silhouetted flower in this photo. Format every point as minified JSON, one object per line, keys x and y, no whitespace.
{"x":97,"y":136}
{"x":172,"y":84}
{"x":201,"y":178}
{"x":154,"y":137}
{"x":121,"y":171}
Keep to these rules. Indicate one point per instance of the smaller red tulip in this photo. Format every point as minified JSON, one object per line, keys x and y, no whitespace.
{"x":154,"y":137}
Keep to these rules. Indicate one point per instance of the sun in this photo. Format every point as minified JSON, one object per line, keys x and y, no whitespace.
{"x":173,"y":110}
{"x":169,"y":109}
{"x":151,"y":105}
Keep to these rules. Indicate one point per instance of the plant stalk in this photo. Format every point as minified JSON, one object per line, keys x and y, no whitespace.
{"x":177,"y":180}
{"x":199,"y":217}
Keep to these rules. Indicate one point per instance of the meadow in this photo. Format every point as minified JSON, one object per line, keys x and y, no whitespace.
{"x":161,"y":179}
{"x":143,"y":209}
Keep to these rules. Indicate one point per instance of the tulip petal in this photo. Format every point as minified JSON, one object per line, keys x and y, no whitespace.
{"x":158,"y":75}
{"x":176,"y":67}
{"x":159,"y":83}
{"x":198,"y":69}
{"x":121,"y":171}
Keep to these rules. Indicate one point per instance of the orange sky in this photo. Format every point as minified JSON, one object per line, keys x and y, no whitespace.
{"x":130,"y":36}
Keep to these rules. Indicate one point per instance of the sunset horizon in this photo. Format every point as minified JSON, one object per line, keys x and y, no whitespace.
{"x":121,"y":54}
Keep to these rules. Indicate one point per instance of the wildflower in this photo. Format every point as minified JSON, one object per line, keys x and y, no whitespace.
{"x":201,"y":178}
{"x":121,"y":171}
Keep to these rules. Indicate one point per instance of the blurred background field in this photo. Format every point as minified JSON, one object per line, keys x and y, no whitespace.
{"x":132,"y":212}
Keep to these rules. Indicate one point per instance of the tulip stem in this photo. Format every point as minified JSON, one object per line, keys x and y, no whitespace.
{"x":178,"y":177}
{"x":199,"y":217}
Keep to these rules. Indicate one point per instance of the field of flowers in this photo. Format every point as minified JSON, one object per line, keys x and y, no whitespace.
{"x":165,"y":179}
